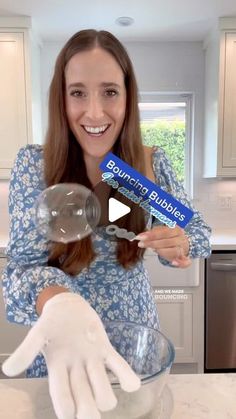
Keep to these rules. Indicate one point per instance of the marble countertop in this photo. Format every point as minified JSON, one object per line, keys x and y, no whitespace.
{"x":186,"y":396}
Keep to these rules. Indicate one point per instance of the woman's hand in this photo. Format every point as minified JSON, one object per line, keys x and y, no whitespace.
{"x":171,"y":244}
{"x":72,"y":338}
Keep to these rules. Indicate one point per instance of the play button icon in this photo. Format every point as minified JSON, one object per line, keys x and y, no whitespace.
{"x":119,"y":216}
{"x":116,"y":209}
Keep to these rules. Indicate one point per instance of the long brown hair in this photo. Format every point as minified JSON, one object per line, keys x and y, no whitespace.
{"x":63,"y":157}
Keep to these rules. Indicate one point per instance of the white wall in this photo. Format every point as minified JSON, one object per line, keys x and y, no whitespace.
{"x":164,"y":67}
{"x":173,"y":67}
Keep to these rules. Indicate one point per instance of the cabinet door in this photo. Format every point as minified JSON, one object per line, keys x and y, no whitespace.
{"x":13,"y":116}
{"x":227,"y":110}
{"x":11,"y":335}
{"x":176,"y":320}
{"x":168,"y":276}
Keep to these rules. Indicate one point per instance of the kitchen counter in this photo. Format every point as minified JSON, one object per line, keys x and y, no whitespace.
{"x":187,"y":396}
{"x":3,"y":244}
{"x":223,"y":239}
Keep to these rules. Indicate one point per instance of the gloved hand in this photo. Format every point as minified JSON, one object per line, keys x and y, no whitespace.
{"x":76,"y":348}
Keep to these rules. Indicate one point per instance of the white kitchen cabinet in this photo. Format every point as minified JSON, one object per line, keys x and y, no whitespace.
{"x":11,"y":335}
{"x":13,"y":118}
{"x":19,"y":73}
{"x":227,"y":105}
{"x":174,"y":290}
{"x":179,"y":295}
{"x":168,"y":276}
{"x":220,"y":101}
{"x":176,"y":319}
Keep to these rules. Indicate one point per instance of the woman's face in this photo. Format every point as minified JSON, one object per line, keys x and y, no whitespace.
{"x":95,"y":100}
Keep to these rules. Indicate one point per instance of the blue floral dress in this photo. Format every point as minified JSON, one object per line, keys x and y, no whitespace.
{"x":114,"y":292}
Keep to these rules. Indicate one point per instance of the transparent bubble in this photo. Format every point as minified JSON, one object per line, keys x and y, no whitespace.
{"x":67,"y":212}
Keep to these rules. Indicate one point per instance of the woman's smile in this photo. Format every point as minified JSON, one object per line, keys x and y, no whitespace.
{"x":96,"y":131}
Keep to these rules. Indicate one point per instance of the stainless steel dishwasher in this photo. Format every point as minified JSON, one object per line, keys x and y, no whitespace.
{"x":220,"y":312}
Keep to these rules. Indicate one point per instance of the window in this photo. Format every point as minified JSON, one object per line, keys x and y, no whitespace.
{"x":166,"y":122}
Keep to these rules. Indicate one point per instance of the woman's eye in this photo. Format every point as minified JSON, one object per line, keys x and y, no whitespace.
{"x":77,"y":93}
{"x":111,"y":93}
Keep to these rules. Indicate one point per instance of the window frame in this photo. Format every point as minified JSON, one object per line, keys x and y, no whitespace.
{"x":188,"y":98}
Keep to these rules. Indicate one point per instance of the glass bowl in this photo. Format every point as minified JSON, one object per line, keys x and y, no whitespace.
{"x":150,"y":354}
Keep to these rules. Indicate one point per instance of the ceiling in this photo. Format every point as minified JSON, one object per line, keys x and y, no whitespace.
{"x":162,"y":20}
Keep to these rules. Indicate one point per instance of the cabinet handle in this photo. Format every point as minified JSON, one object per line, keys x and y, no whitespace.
{"x":222,"y":266}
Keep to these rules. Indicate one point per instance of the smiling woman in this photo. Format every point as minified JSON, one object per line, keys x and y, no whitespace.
{"x":67,"y":292}
{"x":93,"y":109}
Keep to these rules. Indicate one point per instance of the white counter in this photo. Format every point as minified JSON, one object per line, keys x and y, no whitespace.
{"x":223,"y":239}
{"x":198,"y":396}
{"x":3,"y":244}
{"x":220,"y":240}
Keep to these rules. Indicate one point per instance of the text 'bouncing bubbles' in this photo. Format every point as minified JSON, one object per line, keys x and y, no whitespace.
{"x":67,"y":212}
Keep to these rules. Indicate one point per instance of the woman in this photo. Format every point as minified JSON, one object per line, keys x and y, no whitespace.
{"x":93,"y":109}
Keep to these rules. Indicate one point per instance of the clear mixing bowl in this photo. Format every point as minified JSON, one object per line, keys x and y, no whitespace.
{"x":150,"y":354}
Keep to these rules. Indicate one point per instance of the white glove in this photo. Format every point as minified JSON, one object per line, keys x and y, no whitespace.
{"x":76,"y":348}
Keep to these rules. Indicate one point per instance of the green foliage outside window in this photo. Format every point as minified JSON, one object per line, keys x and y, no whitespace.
{"x":170,"y":135}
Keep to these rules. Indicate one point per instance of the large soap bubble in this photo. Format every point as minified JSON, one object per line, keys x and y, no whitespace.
{"x":67,"y":212}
